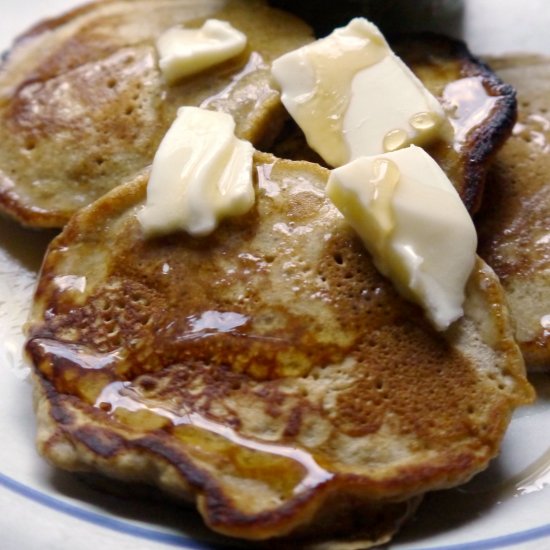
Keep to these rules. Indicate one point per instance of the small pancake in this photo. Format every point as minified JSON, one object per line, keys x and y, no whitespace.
{"x":481,"y":108}
{"x":514,"y":223}
{"x":266,"y":372}
{"x":83,"y":105}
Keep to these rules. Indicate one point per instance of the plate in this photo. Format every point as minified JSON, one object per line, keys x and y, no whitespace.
{"x":506,"y":506}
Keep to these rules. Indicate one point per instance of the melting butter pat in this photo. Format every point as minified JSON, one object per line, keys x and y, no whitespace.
{"x":183,"y":52}
{"x":414,"y":224}
{"x":201,"y":174}
{"x":352,"y":96}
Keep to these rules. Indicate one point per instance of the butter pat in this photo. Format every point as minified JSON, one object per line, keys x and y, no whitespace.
{"x":414,"y":224}
{"x":352,"y":96}
{"x":183,"y":52}
{"x":201,"y":174}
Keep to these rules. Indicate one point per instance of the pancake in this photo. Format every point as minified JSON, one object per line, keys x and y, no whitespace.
{"x":266,"y":372}
{"x":481,"y":108}
{"x":514,"y":224}
{"x":83,"y":105}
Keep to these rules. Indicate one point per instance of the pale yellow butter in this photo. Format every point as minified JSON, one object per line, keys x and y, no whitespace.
{"x":352,"y":96}
{"x":201,"y":174}
{"x":414,"y":224}
{"x":183,"y":52}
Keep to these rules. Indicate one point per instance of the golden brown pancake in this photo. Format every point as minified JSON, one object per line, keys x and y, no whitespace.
{"x":481,"y":108}
{"x":514,"y":224}
{"x":83,"y":105}
{"x":266,"y":372}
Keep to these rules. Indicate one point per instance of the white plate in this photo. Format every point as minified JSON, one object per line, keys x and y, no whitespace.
{"x":506,"y":506}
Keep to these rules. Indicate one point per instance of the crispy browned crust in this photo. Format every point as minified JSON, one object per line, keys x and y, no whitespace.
{"x":440,"y":62}
{"x":346,"y":519}
{"x":330,"y":392}
{"x":83,"y":105}
{"x":430,"y":55}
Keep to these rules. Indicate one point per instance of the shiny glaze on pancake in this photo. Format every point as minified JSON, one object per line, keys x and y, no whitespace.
{"x":83,"y":105}
{"x":514,"y":223}
{"x":480,"y":107}
{"x":267,"y":371}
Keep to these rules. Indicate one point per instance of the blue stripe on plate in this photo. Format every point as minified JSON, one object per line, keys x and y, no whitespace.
{"x":182,"y":541}
{"x":97,"y":518}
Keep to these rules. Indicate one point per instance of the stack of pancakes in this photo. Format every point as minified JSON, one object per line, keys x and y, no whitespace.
{"x":268,"y":373}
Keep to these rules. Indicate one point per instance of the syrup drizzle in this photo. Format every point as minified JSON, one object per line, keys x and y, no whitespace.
{"x":213,"y":322}
{"x":122,"y":395}
{"x":396,"y":139}
{"x":70,"y":283}
{"x":254,"y":64}
{"x":76,"y":354}
{"x":468,"y":105}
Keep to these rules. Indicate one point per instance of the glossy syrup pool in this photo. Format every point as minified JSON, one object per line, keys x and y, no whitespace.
{"x":300,"y":467}
{"x":468,"y":105}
